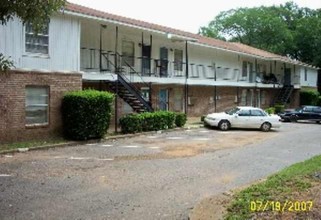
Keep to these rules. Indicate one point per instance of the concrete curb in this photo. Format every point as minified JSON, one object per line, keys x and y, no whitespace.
{"x":114,"y":137}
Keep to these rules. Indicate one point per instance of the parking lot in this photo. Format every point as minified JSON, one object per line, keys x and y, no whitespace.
{"x":154,"y":176}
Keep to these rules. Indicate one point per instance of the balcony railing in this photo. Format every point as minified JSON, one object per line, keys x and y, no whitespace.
{"x":103,"y":61}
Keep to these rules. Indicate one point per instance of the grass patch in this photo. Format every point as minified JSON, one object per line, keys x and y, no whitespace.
{"x":30,"y":144}
{"x":291,"y":184}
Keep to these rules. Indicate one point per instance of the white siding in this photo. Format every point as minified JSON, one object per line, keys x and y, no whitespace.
{"x":312,"y":77}
{"x":64,"y":45}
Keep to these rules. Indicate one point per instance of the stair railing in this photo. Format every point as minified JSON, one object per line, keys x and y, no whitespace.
{"x":128,"y":84}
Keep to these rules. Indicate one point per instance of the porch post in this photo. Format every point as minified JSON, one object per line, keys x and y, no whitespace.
{"x":284,"y":67}
{"x":215,"y":94}
{"x":116,"y":71}
{"x":102,"y":26}
{"x":186,"y":77}
{"x":214,"y":66}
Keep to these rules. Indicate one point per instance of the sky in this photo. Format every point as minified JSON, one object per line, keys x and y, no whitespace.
{"x":186,"y":15}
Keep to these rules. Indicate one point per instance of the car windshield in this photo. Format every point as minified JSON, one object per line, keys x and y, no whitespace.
{"x":232,"y":111}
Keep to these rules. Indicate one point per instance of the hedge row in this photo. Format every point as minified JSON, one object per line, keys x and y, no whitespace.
{"x":86,"y":114}
{"x":309,"y":97}
{"x":151,"y":121}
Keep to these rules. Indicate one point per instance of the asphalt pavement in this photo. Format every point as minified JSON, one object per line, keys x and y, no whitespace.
{"x":155,"y":176}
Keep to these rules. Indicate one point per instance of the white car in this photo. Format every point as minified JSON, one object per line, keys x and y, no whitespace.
{"x":243,"y":117}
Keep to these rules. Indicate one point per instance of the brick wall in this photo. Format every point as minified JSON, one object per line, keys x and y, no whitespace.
{"x":12,"y":103}
{"x":202,"y":98}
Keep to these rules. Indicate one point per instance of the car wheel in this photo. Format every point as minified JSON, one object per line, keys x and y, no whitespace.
{"x":293,"y":118}
{"x":318,"y":122}
{"x":266,"y":126}
{"x":224,"y":125}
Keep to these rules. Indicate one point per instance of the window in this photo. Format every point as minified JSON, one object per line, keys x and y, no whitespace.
{"x":178,"y":60}
{"x":37,"y":105}
{"x":257,"y":113}
{"x":128,"y":52}
{"x":305,"y":74}
{"x":37,"y":43}
{"x":244,"y":112}
{"x":244,"y":69}
{"x":145,"y":93}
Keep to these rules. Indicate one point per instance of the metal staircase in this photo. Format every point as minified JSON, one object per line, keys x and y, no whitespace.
{"x":127,"y":90}
{"x":283,"y":95}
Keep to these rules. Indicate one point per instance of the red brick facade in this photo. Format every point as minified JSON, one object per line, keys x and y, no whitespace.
{"x":202,"y":98}
{"x":13,"y":98}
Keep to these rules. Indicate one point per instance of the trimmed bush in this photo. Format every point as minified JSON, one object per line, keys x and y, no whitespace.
{"x":148,"y":121}
{"x":131,"y":123}
{"x":180,"y":119}
{"x":278,"y":108}
{"x":319,"y":101}
{"x":86,"y":114}
{"x":270,"y":110}
{"x":309,"y":97}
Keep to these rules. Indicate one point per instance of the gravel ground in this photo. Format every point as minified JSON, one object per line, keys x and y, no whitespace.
{"x":160,"y":176}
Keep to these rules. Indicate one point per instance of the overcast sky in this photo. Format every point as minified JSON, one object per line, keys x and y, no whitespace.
{"x":181,"y":14}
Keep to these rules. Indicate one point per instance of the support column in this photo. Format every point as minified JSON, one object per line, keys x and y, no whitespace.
{"x":116,"y":70}
{"x":186,"y":77}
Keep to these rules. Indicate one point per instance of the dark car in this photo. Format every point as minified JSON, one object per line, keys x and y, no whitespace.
{"x":311,"y":113}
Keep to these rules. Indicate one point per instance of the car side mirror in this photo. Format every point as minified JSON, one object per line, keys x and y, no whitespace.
{"x":236,"y":115}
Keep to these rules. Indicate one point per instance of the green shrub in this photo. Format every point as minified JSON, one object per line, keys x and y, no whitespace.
{"x":278,"y":108}
{"x":131,"y":123}
{"x":309,"y":97}
{"x":319,"y":101}
{"x":148,"y":121}
{"x":270,"y":110}
{"x":202,"y":118}
{"x":86,"y":114}
{"x":180,"y":119}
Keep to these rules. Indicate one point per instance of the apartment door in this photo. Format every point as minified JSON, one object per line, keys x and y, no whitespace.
{"x":146,"y":60}
{"x":178,"y":100}
{"x":287,"y":77}
{"x":163,"y":100}
{"x":163,"y":62}
{"x":251,"y":72}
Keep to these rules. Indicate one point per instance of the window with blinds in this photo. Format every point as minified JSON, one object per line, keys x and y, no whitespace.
{"x":178,"y":60}
{"x":37,"y":105}
{"x":37,"y":42}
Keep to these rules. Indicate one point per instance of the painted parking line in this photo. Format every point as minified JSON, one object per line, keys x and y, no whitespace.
{"x":105,"y":145}
{"x":152,"y":137}
{"x":84,"y":158}
{"x":188,"y":130}
{"x":204,"y":131}
{"x":5,"y":175}
{"x":91,"y":144}
{"x":79,"y":158}
{"x":200,"y":139}
{"x":154,"y":147}
{"x":105,"y":159}
{"x":175,"y":138}
{"x":130,"y":146}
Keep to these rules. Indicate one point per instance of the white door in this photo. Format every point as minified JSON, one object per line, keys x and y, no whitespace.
{"x":256,"y":118}
{"x":241,"y":120}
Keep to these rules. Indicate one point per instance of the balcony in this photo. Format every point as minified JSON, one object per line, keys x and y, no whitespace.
{"x":167,"y":71}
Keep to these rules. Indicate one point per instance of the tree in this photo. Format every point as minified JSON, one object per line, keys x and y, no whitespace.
{"x":36,"y":12}
{"x":286,"y":30}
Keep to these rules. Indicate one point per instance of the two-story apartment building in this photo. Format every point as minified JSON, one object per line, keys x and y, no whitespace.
{"x":149,"y":66}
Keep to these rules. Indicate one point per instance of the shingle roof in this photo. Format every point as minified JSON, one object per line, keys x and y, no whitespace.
{"x":232,"y":46}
